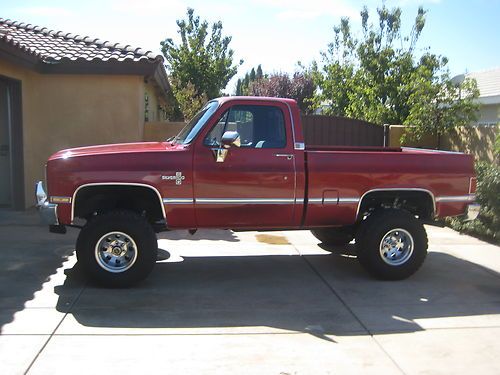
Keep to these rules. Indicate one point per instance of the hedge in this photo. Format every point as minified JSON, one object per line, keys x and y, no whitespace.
{"x":487,"y":225}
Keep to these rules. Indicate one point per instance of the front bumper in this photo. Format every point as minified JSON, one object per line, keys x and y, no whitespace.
{"x":472,"y":211}
{"x":47,"y":211}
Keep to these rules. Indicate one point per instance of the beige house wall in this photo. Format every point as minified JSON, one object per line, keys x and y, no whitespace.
{"x":160,"y":131}
{"x":63,"y":111}
{"x":155,"y":101}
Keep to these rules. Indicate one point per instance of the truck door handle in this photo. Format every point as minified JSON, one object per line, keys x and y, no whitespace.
{"x":287,"y":156}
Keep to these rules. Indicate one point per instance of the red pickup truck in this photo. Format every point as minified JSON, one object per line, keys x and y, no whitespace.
{"x":241,"y":164}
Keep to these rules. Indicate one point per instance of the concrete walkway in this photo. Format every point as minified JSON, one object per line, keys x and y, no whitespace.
{"x":247,"y":303}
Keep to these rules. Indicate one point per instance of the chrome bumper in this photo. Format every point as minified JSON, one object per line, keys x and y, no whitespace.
{"x":472,"y":211}
{"x":47,"y":211}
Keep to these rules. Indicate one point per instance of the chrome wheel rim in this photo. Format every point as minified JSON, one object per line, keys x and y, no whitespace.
{"x":396,"y":247}
{"x":116,"y":252}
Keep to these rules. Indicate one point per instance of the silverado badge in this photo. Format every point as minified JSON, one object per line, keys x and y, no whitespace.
{"x":178,"y":177}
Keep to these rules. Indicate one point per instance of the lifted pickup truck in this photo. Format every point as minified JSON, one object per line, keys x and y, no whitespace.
{"x":241,"y":164}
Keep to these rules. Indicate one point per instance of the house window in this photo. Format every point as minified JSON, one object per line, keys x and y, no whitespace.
{"x":146,"y":108}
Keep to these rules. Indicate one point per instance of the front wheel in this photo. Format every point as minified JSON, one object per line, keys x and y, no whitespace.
{"x":391,"y":244}
{"x":117,"y":249}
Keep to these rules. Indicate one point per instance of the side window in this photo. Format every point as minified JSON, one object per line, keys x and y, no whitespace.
{"x":214,"y":136}
{"x":258,"y":127}
{"x":242,"y":121}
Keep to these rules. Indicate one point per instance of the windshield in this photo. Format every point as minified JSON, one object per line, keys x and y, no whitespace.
{"x":190,"y":131}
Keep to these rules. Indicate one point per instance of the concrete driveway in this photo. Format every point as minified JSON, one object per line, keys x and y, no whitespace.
{"x":247,"y":303}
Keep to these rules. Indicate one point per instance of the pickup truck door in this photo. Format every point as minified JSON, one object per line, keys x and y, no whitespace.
{"x":254,"y":186}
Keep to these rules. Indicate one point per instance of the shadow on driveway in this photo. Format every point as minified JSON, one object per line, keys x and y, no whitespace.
{"x":317,"y":294}
{"x":29,"y":256}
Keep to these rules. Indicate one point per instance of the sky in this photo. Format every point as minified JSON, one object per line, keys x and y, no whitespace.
{"x":274,"y":33}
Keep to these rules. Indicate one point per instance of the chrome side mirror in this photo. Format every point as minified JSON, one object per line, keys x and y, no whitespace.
{"x":229,"y":138}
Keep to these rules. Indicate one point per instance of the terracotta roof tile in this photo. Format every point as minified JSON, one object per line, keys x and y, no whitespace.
{"x":57,"y":45}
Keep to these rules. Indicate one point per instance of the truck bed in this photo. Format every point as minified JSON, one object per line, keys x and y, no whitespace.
{"x":339,"y":177}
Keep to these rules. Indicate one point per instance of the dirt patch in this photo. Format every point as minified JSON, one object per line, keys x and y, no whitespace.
{"x":272,"y":239}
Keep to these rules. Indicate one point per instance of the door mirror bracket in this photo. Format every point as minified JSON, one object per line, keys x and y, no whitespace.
{"x":229,"y":138}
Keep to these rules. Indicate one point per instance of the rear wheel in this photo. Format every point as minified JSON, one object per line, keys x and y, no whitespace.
{"x":334,"y":236}
{"x":117,"y":249}
{"x":391,"y":244}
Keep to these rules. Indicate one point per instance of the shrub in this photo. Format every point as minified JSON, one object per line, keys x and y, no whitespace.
{"x":487,"y":225}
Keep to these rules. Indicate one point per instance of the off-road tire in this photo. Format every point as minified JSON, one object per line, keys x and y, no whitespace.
{"x":135,"y":228}
{"x":374,"y":229}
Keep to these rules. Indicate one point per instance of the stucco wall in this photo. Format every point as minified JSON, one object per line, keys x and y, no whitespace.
{"x":159,"y":131}
{"x":62,"y":111}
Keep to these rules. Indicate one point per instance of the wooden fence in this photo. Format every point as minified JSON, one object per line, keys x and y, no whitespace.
{"x":322,"y":130}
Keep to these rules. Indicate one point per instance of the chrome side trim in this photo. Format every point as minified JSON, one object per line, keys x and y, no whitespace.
{"x":299,"y":200}
{"x":315,"y":200}
{"x":178,"y":200}
{"x":456,"y":198}
{"x":244,"y":200}
{"x":330,"y":200}
{"x":398,"y":189}
{"x":73,"y":200}
{"x":334,"y":200}
{"x":348,"y":200}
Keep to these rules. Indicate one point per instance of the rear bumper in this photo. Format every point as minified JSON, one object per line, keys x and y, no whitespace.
{"x":46,"y":210}
{"x":472,"y":211}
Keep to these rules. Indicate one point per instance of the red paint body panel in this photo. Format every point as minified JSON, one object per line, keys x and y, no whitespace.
{"x":354,"y":173}
{"x":318,"y":186}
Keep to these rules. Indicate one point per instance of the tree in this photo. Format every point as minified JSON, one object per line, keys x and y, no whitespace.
{"x":439,"y":107}
{"x":299,"y":87}
{"x":252,"y":75}
{"x":190,"y":102}
{"x":376,"y":76}
{"x":238,"y":87}
{"x":201,"y":65}
{"x":259,"y":74}
{"x":246,"y":82}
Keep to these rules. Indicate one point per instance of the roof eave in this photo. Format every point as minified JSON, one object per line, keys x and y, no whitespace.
{"x":17,"y":56}
{"x":161,"y":79}
{"x":486,"y":100}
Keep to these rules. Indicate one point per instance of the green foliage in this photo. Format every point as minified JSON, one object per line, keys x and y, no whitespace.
{"x":487,"y":225}
{"x":497,"y":145}
{"x":259,"y":73}
{"x":438,"y":107}
{"x":188,"y":98}
{"x":376,"y":76}
{"x":201,"y":65}
{"x":243,"y":85}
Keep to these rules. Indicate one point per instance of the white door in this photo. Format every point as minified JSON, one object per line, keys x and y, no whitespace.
{"x":5,"y":155}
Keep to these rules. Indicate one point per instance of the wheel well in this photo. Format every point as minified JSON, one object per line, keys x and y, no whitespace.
{"x":92,"y":200}
{"x":419,"y":203}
